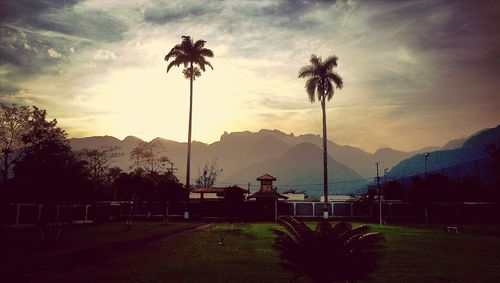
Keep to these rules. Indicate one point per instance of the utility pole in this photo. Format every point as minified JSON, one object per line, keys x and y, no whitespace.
{"x":379,"y":195}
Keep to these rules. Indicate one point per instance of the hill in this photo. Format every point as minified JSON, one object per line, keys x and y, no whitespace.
{"x":301,"y":168}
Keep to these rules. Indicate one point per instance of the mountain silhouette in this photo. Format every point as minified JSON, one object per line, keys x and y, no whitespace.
{"x":473,"y":148}
{"x":301,"y":168}
{"x":361,"y":161}
{"x":247,"y":150}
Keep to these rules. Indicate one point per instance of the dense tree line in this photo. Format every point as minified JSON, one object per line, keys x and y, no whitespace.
{"x":38,"y":165}
{"x":440,"y":188}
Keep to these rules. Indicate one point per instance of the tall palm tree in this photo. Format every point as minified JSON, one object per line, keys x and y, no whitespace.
{"x":189,"y":54}
{"x":320,"y":84}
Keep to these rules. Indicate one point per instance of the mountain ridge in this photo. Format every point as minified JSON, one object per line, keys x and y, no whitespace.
{"x":238,"y":150}
{"x":472,"y":149}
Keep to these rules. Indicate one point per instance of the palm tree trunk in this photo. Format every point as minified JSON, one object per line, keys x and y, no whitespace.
{"x":188,"y":169}
{"x":325,"y":160}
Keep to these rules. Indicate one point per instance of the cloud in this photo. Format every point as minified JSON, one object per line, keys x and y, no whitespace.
{"x":164,"y":13}
{"x":53,"y":53}
{"x":404,"y":64}
{"x":104,"y":55}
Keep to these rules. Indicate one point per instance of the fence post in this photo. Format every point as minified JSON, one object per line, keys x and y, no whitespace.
{"x":57,"y":213}
{"x":86,"y":213}
{"x":40,"y":212}
{"x":18,"y":208}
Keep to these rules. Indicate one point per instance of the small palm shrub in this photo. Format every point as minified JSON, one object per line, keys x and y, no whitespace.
{"x":327,"y":254}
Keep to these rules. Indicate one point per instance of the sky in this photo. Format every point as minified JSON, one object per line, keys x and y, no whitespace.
{"x":416,"y":73}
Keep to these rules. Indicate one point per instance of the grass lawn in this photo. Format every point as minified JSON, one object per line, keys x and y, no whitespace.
{"x":411,"y":255}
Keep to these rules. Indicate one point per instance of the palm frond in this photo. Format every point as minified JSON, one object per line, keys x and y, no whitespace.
{"x":370,"y":241}
{"x":311,"y":85}
{"x":336,"y":78}
{"x":341,"y":228}
{"x":199,"y":44}
{"x":324,"y":227}
{"x":328,"y":89}
{"x":175,"y":52}
{"x":174,"y":63}
{"x":354,"y":251}
{"x":315,"y":61}
{"x":187,"y":42}
{"x":202,"y":63}
{"x":359,"y":230}
{"x":330,"y":62}
{"x":298,"y":229}
{"x":187,"y":73}
{"x":206,"y":52}
{"x":307,"y":71}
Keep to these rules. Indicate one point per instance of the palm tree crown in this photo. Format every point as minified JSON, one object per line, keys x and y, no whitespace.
{"x":352,"y":252}
{"x":188,"y":53}
{"x":321,"y":75}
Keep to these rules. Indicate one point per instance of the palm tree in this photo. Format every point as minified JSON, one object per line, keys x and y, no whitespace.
{"x":352,"y":252}
{"x":189,"y":54}
{"x":321,"y":79}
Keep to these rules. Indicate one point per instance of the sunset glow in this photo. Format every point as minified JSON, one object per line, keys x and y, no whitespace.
{"x":415,"y":74}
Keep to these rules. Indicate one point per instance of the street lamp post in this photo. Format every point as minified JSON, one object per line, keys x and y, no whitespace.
{"x":379,"y":195}
{"x":426,"y":155}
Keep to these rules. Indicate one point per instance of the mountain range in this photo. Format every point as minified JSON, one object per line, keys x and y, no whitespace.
{"x":467,"y":156}
{"x":296,"y":161}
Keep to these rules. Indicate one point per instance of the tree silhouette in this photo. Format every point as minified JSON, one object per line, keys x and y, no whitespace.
{"x":98,"y":163}
{"x":13,"y":125}
{"x":208,"y":175}
{"x":150,"y":157}
{"x":234,"y":198}
{"x":320,"y":83}
{"x":189,"y":54}
{"x":48,"y":170}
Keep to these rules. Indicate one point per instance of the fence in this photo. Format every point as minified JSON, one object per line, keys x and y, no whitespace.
{"x":29,"y":214}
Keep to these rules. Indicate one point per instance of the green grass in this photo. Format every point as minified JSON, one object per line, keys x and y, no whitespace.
{"x":410,"y":255}
{"x":422,"y":255}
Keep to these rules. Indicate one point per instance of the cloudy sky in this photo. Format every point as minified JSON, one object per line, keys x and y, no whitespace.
{"x":416,"y":73}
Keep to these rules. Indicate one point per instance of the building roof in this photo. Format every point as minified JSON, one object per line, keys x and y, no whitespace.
{"x":217,"y":190}
{"x":268,"y":194}
{"x":338,"y":198}
{"x":208,"y":190}
{"x":266,"y":177}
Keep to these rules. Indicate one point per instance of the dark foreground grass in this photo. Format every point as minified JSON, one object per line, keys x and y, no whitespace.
{"x":411,"y":255}
{"x":422,"y":255}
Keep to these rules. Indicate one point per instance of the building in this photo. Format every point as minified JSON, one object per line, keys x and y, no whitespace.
{"x":295,"y":196}
{"x":213,"y":193}
{"x":267,"y":198}
{"x":337,"y":198}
